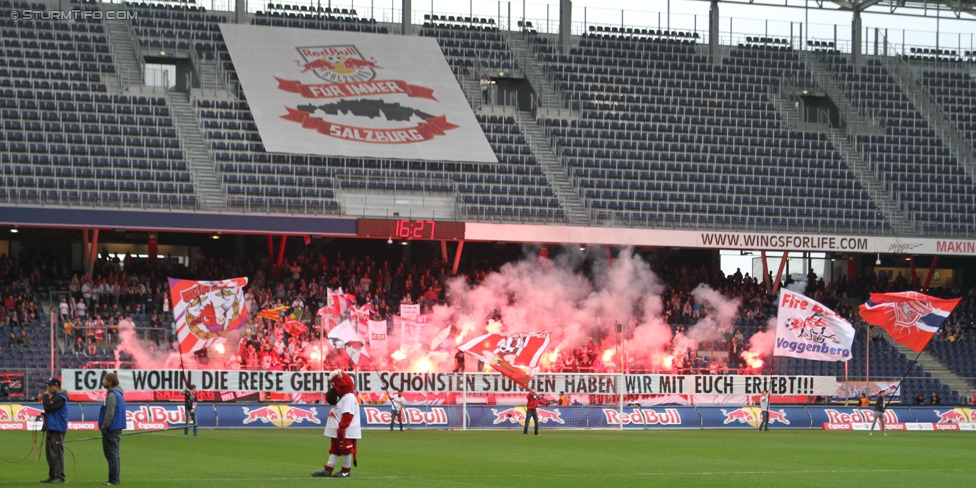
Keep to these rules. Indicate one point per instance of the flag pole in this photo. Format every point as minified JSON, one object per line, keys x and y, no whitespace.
{"x":905,"y":375}
{"x":847,"y":386}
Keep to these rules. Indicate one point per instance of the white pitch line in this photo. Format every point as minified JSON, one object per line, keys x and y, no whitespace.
{"x":368,"y":476}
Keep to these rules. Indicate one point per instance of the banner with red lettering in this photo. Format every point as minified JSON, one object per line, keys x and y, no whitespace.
{"x":205,"y":311}
{"x":378,"y":344}
{"x":353,"y":94}
{"x":807,"y":329}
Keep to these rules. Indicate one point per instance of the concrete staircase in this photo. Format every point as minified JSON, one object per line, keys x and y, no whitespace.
{"x":931,"y":364}
{"x":552,"y":168}
{"x":786,"y":110}
{"x":472,"y":91}
{"x":208,"y":75}
{"x":209,"y":189}
{"x":547,"y":98}
{"x":128,"y":66}
{"x":856,"y":122}
{"x":900,"y":222}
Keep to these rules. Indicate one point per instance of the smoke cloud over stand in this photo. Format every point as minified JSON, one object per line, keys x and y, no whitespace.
{"x":578,"y":297}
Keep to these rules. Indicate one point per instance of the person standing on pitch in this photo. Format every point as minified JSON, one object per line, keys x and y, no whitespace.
{"x":190,"y":406}
{"x":111,"y":421}
{"x":879,"y":411}
{"x":343,"y":426}
{"x":764,"y":411}
{"x":532,"y":403}
{"x":396,"y":409}
{"x":56,"y":425}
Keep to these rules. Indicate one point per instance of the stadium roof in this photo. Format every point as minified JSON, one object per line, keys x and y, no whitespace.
{"x":959,"y":9}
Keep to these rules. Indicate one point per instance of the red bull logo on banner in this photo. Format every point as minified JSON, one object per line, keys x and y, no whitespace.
{"x":280,"y":415}
{"x":778,"y":417}
{"x":337,"y":64}
{"x":954,"y":416}
{"x":670,"y":416}
{"x":432,"y":416}
{"x":14,"y":416}
{"x":753,"y":416}
{"x":546,"y":416}
{"x":351,"y":82}
{"x":516,"y":415}
{"x":156,"y":414}
{"x":858,"y":416}
{"x":13,"y":412}
{"x":744,"y":415}
{"x":512,"y":415}
{"x":26,"y":414}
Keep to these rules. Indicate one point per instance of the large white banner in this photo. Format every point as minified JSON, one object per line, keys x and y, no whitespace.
{"x":806,"y":329}
{"x":378,"y":342}
{"x":385,"y":381}
{"x":342,"y":93}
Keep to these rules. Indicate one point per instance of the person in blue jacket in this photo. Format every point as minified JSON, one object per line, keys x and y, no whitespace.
{"x":55,"y":404}
{"x":111,"y":421}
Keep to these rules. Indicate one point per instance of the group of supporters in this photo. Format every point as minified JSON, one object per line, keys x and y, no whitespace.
{"x":92,"y":304}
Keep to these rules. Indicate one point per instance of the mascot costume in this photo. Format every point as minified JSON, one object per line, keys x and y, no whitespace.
{"x":342,"y":427}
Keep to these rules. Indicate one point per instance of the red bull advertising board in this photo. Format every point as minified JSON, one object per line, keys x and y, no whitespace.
{"x":858,"y":415}
{"x":652,"y":418}
{"x":749,"y":417}
{"x":270,"y":415}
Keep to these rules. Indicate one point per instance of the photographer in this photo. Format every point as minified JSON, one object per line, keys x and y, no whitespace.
{"x":55,"y":424}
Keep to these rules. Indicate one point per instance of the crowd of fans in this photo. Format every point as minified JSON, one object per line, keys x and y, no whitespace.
{"x":90,"y":305}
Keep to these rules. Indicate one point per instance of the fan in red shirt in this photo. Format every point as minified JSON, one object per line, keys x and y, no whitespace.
{"x":532,"y":403}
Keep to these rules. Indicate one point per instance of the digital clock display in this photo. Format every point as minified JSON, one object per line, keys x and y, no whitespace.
{"x":409,"y":229}
{"x":415,"y":229}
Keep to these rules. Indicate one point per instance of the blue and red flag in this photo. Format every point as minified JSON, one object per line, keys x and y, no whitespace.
{"x":910,"y":318}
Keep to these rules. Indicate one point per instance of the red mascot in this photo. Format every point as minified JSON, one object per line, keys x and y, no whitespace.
{"x":343,"y":426}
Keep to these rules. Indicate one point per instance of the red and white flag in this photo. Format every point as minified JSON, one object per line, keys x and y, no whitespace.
{"x":911,"y":318}
{"x":205,"y":311}
{"x":345,"y":336}
{"x":338,"y":302}
{"x":807,"y":329}
{"x":515,"y":355}
{"x":294,"y":327}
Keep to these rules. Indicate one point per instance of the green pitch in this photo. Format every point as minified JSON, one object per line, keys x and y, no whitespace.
{"x":558,"y":459}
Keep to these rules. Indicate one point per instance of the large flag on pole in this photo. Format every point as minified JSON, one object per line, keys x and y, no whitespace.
{"x":346,"y":336}
{"x":337,"y":302}
{"x":910,"y":317}
{"x":806,"y":329}
{"x":514,"y":355}
{"x":273,"y":314}
{"x":205,"y":311}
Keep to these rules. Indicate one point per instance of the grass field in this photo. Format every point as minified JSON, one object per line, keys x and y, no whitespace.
{"x":422,"y":458}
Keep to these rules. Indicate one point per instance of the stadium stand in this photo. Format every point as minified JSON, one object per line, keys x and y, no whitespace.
{"x":660,"y":135}
{"x":667,"y":138}
{"x":915,"y":163}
